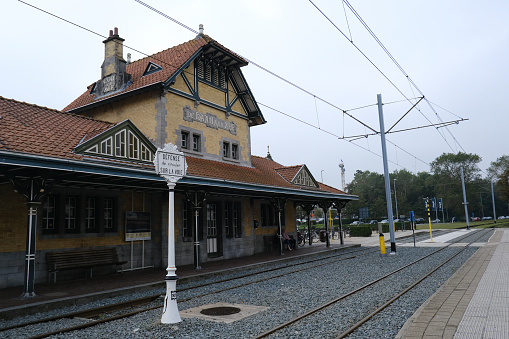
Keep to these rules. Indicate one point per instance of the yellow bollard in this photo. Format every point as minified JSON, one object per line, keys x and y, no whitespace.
{"x":382,"y":244}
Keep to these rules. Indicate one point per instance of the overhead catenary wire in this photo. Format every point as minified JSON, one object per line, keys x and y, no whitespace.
{"x":345,"y":112}
{"x":380,"y":71}
{"x":401,"y":69}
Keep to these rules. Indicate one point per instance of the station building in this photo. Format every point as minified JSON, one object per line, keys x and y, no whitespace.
{"x":84,"y":177}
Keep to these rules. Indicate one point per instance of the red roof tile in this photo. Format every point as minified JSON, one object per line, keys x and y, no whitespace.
{"x":263,"y":172}
{"x":288,"y":173}
{"x":39,"y":130}
{"x":170,"y":60}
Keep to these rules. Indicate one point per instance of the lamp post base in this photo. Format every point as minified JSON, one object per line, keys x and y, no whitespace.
{"x":170,"y":311}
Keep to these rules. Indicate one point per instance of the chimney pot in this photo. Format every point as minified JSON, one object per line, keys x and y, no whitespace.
{"x":116,"y":31}
{"x":111,"y":33}
{"x":201,"y":29}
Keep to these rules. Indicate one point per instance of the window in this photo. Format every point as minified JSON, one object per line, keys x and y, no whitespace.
{"x":151,"y":68}
{"x":106,"y":147}
{"x":222,"y":79}
{"x":236,"y":220}
{"x":226,"y":149}
{"x":108,"y":214}
{"x":120,"y":144}
{"x":70,"y":213}
{"x":235,"y":151}
{"x":211,"y":220}
{"x":208,"y":72}
{"x":212,"y":73}
{"x":232,"y":220}
{"x":200,"y":69}
{"x":48,"y":214}
{"x":196,"y":142}
{"x":270,"y":217}
{"x":267,"y":215}
{"x":187,"y":221}
{"x":146,"y":154}
{"x":133,"y":146}
{"x":184,"y":140}
{"x":90,"y":220}
{"x":227,"y":227}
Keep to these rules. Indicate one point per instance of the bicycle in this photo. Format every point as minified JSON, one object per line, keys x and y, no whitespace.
{"x":301,"y":240}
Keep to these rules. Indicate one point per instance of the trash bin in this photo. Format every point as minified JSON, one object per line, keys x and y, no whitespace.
{"x":323,"y":236}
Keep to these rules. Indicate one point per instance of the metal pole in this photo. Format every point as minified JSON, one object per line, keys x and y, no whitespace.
{"x":464,"y":197}
{"x":341,"y":241}
{"x":396,"y":200}
{"x":170,"y":311}
{"x":386,"y":174}
{"x":29,"y":290}
{"x":196,"y":238}
{"x":493,"y":201}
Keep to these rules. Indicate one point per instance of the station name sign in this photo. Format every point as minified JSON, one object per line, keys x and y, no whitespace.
{"x":210,"y":120}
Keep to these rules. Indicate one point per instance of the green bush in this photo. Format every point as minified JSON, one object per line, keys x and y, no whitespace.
{"x":360,"y":231}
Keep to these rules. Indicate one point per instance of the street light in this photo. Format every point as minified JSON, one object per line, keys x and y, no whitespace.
{"x":321,"y":173}
{"x":396,"y":200}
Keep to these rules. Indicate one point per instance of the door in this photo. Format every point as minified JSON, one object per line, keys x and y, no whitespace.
{"x":213,"y":234}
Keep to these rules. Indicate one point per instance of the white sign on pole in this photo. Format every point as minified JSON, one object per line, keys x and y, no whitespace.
{"x":170,"y":163}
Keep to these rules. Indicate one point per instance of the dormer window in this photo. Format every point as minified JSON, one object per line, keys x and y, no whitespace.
{"x":152,"y":68}
{"x":122,"y":141}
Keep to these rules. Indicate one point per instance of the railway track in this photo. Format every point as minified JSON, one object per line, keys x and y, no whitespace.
{"x":94,"y":316}
{"x":108,"y":313}
{"x":353,"y":327}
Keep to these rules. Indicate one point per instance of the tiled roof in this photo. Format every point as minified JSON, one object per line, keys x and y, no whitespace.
{"x":263,"y":172}
{"x":39,"y":130}
{"x":170,"y":60}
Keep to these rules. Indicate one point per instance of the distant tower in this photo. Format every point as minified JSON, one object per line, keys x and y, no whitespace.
{"x":268,"y":154}
{"x":342,"y":166}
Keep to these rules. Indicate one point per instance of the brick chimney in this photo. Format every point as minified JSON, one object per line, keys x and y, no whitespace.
{"x":113,"y":70}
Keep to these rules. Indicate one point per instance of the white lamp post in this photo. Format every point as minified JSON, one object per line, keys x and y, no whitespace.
{"x":171,"y":165}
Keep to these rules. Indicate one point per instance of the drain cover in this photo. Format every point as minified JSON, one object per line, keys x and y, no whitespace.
{"x":225,"y":310}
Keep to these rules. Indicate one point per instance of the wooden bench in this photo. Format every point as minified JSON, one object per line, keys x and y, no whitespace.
{"x":81,"y":258}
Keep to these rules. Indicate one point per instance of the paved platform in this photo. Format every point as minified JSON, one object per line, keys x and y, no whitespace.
{"x":474,"y":303}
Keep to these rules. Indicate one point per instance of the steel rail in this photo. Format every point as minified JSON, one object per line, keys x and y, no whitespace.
{"x":400,"y":294}
{"x":89,"y":313}
{"x":336,"y":300}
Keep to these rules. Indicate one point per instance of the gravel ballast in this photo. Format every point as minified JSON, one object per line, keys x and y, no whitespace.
{"x":290,"y":295}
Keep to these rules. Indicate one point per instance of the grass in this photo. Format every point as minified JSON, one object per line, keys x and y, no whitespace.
{"x":476,"y":224}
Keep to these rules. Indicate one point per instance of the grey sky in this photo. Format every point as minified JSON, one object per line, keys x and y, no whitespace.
{"x":455,"y":51}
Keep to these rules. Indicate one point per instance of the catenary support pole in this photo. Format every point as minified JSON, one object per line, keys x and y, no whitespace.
{"x":464,"y":197}
{"x":386,"y":175}
{"x":493,"y":201}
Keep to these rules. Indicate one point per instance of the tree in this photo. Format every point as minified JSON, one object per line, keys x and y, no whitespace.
{"x":503,"y":185}
{"x":446,"y":180}
{"x":498,"y":167}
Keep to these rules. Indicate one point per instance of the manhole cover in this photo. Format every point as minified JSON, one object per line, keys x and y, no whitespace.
{"x":220,"y":310}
